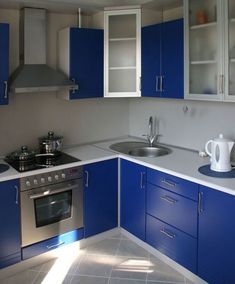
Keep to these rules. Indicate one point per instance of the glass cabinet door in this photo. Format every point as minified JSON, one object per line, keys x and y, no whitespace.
{"x":230,"y":56}
{"x":204,"y":79}
{"x":122,"y":51}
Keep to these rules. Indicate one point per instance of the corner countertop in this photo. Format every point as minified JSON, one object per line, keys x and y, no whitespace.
{"x":180,"y":162}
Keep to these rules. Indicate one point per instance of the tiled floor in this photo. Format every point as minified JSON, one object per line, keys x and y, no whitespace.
{"x":115,"y":260}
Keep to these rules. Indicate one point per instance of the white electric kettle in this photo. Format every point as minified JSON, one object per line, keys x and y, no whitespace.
{"x":220,"y":153}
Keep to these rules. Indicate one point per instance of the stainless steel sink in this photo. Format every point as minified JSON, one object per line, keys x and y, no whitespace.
{"x":140,"y":149}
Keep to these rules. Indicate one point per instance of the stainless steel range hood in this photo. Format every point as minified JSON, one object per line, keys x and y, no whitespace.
{"x":33,"y":75}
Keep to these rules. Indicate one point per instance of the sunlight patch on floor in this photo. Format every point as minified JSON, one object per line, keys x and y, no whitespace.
{"x":136,"y":265}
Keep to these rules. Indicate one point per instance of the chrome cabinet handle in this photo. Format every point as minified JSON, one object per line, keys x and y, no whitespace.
{"x":168,"y":182}
{"x":200,"y":201}
{"x":162,"y":87}
{"x":221,"y":84}
{"x":17,"y":195}
{"x":157,"y":84}
{"x":169,"y":199}
{"x":167,"y":233}
{"x":6,"y":89}
{"x":87,"y":178}
{"x":56,"y":245}
{"x":142,"y":185}
{"x":140,"y":85}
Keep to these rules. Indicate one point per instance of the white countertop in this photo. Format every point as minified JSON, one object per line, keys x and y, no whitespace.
{"x":180,"y":162}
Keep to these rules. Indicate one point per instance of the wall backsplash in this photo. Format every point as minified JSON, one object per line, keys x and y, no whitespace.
{"x":192,"y":129}
{"x":29,"y":116}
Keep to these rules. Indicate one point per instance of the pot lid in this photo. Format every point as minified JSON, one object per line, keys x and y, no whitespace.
{"x":50,"y":137}
{"x":24,"y":154}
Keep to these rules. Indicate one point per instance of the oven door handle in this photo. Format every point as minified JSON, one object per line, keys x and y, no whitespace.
{"x":50,"y":192}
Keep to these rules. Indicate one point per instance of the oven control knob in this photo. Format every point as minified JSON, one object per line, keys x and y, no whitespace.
{"x":63,"y":175}
{"x":49,"y":179}
{"x":28,"y":184}
{"x":35,"y":181}
{"x":56,"y":177}
{"x":42,"y":180}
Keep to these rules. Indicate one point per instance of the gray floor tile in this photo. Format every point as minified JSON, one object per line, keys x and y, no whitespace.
{"x":125,"y":281}
{"x":161,"y":272}
{"x":130,"y":268}
{"x":96,"y":265}
{"x":105,"y":247}
{"x":164,"y":282}
{"x":189,"y":281}
{"x":129,"y":248}
{"x":88,"y":280}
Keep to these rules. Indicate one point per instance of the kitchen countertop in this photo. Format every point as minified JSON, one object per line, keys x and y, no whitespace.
{"x":180,"y":162}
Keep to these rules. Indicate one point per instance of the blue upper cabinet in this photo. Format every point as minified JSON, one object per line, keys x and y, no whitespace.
{"x":4,"y":63}
{"x":81,"y":58}
{"x":10,"y":251}
{"x":216,"y":250}
{"x":100,"y":197}
{"x":163,"y":59}
{"x":133,"y":186}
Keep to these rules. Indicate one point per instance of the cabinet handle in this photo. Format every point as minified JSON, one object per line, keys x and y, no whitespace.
{"x":56,"y":245}
{"x":17,"y":195}
{"x":167,"y":233}
{"x":161,"y":83}
{"x":200,"y":201}
{"x":168,"y":182}
{"x":169,"y":199}
{"x":142,"y":185}
{"x":221,"y":84}
{"x":6,"y":89}
{"x":140,"y":85}
{"x":157,"y":84}
{"x":87,"y":179}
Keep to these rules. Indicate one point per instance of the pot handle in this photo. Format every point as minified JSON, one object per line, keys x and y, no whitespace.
{"x":207,"y":147}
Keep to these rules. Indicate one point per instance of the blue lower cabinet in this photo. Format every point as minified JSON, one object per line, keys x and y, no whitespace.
{"x":52,"y":243}
{"x":172,"y":242}
{"x":133,"y":186}
{"x":100,"y":197}
{"x":10,"y":250}
{"x":216,"y":236}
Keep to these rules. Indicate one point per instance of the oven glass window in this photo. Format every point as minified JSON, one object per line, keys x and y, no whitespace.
{"x":53,"y":208}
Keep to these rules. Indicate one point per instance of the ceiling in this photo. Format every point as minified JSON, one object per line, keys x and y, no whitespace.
{"x":71,"y":6}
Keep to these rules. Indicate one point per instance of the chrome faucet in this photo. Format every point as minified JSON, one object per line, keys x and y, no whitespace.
{"x":151,"y":137}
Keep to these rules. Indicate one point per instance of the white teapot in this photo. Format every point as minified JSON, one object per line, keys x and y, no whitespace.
{"x":220,"y":153}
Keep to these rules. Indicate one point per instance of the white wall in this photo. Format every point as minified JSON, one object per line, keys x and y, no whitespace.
{"x":29,"y":116}
{"x":203,"y":121}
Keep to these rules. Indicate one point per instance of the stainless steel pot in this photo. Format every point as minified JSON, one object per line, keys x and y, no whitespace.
{"x":50,"y":143}
{"x":22,"y":155}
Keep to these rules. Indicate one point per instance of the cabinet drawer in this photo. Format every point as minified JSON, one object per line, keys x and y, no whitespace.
{"x":177,"y":245}
{"x":173,"y":183}
{"x":172,"y":209}
{"x":52,"y":243}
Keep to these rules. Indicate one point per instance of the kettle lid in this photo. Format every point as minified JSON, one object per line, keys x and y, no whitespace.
{"x":222,"y":139}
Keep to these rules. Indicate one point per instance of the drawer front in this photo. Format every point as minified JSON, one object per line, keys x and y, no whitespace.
{"x":177,"y":245}
{"x":52,"y":243}
{"x":172,"y":209}
{"x":173,"y":183}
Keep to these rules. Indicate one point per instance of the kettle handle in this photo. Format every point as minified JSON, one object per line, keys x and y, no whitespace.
{"x":207,"y":149}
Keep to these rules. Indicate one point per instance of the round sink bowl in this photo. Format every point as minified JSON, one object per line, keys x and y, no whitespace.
{"x":140,"y":149}
{"x":150,"y":152}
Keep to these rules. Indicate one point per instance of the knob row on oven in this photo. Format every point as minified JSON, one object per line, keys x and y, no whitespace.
{"x":43,"y":180}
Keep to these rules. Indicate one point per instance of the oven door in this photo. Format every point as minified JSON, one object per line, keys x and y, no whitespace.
{"x":50,"y":211}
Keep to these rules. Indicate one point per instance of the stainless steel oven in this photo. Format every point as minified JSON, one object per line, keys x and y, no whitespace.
{"x":51,"y":204}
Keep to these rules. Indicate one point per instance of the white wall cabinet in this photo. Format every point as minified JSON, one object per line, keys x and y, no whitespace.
{"x":209,"y":49}
{"x":122,"y":52}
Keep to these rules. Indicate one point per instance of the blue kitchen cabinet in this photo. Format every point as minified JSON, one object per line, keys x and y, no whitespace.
{"x":4,"y":63}
{"x":100,"y":197}
{"x":216,"y":250}
{"x":10,"y":250}
{"x":84,"y":61}
{"x":163,"y":60}
{"x":133,"y":184}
